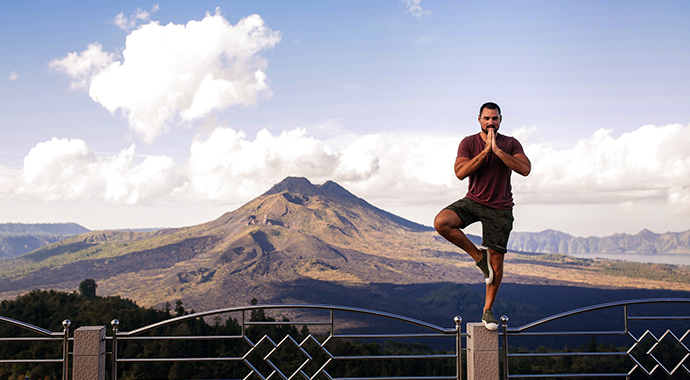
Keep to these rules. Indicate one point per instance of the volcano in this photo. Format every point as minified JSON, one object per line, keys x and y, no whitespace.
{"x":296,"y":242}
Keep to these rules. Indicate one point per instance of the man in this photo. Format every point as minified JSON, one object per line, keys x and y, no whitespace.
{"x":487,"y":158}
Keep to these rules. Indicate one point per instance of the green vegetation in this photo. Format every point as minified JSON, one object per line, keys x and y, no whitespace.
{"x":659,"y":272}
{"x":563,"y":259}
{"x":47,"y":309}
{"x":87,"y":288}
{"x":85,"y":247}
{"x":656,"y":272}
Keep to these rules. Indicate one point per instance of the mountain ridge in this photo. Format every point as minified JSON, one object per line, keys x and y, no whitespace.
{"x":644,"y":242}
{"x":19,"y":238}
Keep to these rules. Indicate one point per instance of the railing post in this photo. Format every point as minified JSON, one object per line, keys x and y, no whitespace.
{"x":482,"y":353}
{"x":458,"y":347}
{"x":65,"y":347}
{"x":506,"y":373}
{"x":116,"y":325}
{"x":89,"y":353}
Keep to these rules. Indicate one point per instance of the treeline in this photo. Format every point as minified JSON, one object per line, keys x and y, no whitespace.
{"x":47,"y":309}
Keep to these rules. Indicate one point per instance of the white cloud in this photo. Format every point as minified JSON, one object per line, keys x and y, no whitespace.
{"x":137,"y":18}
{"x":524,"y":134}
{"x":413,"y":8}
{"x":66,"y":169}
{"x":13,"y":75}
{"x":82,"y":67}
{"x":648,"y":165}
{"x":651,"y":163}
{"x":226,"y":165}
{"x":10,"y":179}
{"x":679,"y":199}
{"x":175,"y":73}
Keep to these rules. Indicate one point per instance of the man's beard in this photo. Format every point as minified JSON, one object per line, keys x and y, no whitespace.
{"x":486,"y":130}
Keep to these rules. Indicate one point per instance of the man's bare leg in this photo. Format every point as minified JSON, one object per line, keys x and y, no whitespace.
{"x":447,"y":224}
{"x":492,"y":288}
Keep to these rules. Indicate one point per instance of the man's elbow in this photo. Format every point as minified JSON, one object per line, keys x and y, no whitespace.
{"x":525,"y":171}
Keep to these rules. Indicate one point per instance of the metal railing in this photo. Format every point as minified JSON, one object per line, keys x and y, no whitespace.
{"x":637,"y":341}
{"x":46,"y":336}
{"x":644,"y":350}
{"x":329,"y":323}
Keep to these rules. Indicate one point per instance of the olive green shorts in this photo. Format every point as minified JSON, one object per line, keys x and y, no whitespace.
{"x":496,"y":223}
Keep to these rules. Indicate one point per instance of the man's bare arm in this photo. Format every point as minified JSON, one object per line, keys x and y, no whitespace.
{"x":519,"y":163}
{"x":465,"y":166}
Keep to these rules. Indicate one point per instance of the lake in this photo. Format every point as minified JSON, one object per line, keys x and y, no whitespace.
{"x":676,"y":259}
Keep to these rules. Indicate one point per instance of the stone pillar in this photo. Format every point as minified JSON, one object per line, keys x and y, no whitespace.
{"x":89,"y":353}
{"x":482,"y":353}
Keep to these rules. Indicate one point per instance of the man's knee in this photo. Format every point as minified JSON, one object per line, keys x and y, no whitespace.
{"x":446,"y":219}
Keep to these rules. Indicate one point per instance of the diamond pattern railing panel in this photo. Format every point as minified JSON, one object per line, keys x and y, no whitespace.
{"x":287,"y":343}
{"x":661,"y":346}
{"x":311,"y":341}
{"x":678,"y":343}
{"x":309,"y":351}
{"x":660,"y":355}
{"x":275,"y":350}
{"x":250,"y":354}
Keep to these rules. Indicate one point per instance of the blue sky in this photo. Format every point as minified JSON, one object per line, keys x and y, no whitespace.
{"x":128,"y":114}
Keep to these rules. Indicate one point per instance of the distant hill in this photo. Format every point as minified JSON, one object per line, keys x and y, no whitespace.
{"x":17,"y":238}
{"x":551,"y":241}
{"x":41,"y":229}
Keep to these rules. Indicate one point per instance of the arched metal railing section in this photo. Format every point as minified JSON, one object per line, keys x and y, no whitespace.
{"x":524,"y":330}
{"x":434,"y":332}
{"x":46,"y":336}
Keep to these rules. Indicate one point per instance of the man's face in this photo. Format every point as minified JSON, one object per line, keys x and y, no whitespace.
{"x":489,"y":119}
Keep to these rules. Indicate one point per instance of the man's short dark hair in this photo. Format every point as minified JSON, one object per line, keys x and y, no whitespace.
{"x":491,"y":106}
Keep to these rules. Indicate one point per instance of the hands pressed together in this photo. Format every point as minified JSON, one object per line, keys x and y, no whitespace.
{"x":491,"y":142}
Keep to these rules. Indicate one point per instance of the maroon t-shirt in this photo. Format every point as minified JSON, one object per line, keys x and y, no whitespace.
{"x":490,"y":184}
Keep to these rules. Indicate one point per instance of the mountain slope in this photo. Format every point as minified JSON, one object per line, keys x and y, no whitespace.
{"x":296,"y":230}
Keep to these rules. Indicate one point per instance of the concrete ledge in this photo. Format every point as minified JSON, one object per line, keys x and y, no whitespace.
{"x":90,"y":340}
{"x":481,"y":338}
{"x":482,"y":353}
{"x":89,"y":353}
